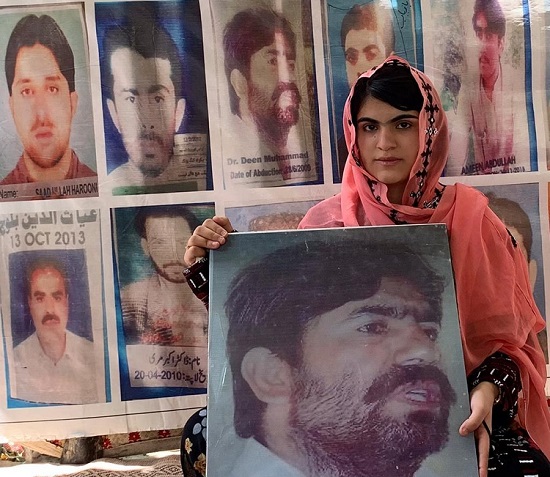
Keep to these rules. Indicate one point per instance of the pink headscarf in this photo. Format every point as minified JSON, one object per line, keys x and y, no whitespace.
{"x":495,"y":304}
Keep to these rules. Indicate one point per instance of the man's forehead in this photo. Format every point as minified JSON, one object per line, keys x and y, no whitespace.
{"x":280,"y":45}
{"x":36,"y":62}
{"x":131,"y":70}
{"x":164,"y":223}
{"x":359,"y":39}
{"x":481,"y":20}
{"x":48,"y":275}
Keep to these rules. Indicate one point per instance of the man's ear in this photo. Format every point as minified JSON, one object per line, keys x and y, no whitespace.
{"x":74,"y":103}
{"x":180,"y":113}
{"x":145,"y":247}
{"x":11,"y":104}
{"x":268,"y":376}
{"x":112,"y":112}
{"x":239,"y":83}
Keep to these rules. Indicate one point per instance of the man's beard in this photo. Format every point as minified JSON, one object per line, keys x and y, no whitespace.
{"x":152,"y":152}
{"x":173,"y":278}
{"x":277,"y":113}
{"x":336,"y":426}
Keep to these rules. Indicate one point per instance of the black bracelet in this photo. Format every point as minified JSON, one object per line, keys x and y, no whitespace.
{"x":197,"y":279}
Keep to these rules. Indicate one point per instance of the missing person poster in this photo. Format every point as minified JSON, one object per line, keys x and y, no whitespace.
{"x":52,"y":315}
{"x":153,"y":96}
{"x":162,"y":325}
{"x":359,"y":36}
{"x":265,"y":81}
{"x":319,"y":335}
{"x":482,"y":69}
{"x":48,"y":145}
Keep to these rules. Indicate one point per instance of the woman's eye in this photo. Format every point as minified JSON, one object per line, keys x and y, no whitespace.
{"x":369,"y":128}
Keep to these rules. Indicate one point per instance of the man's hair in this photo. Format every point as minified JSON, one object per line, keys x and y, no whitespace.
{"x":172,"y":211}
{"x":40,"y":30}
{"x":392,"y":83}
{"x":496,"y":21}
{"x":513,"y":215}
{"x":140,"y":33}
{"x":272,"y":302}
{"x":44,"y":264}
{"x":369,"y":16}
{"x":248,"y":32}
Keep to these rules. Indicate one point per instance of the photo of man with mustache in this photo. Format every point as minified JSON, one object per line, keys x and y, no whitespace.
{"x":263,"y":72}
{"x":491,"y":133}
{"x":161,"y":309}
{"x":53,"y":365}
{"x":336,"y":364}
{"x":43,"y":100}
{"x":143,"y":73}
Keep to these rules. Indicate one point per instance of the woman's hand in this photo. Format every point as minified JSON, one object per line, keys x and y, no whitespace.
{"x":212,"y":234}
{"x":482,"y":399}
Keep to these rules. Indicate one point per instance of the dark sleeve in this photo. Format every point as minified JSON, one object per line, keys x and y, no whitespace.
{"x":500,"y":370}
{"x":197,"y":279}
{"x":193,"y":445}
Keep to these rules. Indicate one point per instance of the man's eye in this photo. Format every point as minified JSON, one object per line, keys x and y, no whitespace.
{"x":404,"y":125}
{"x":374,"y":328}
{"x":352,"y":57}
{"x":26,"y":92}
{"x":372,"y":53}
{"x":159,"y":99}
{"x":132,"y":99}
{"x":53,"y":89}
{"x":431,"y":332}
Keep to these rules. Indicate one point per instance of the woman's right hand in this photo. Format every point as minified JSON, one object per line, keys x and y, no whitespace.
{"x":212,"y":234}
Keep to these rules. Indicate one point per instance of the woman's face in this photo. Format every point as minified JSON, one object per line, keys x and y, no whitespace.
{"x":388,"y":143}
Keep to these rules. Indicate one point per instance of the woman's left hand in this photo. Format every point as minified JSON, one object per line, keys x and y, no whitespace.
{"x":482,"y":399}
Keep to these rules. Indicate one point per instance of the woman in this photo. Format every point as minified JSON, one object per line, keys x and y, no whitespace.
{"x":396,"y":131}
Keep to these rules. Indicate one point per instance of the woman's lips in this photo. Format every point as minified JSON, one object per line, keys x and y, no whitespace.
{"x":388,"y":161}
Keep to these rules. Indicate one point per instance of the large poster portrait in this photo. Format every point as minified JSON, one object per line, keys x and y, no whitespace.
{"x":309,"y":347}
{"x":48,"y":145}
{"x":358,"y":36}
{"x":154,"y":96}
{"x":266,"y":91}
{"x":482,"y":69}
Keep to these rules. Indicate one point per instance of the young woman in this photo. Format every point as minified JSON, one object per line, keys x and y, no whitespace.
{"x":396,"y":131}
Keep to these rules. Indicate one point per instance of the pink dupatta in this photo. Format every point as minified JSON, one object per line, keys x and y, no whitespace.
{"x":495,"y":304}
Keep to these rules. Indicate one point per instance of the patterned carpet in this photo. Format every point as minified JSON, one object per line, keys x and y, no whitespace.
{"x":163,"y":467}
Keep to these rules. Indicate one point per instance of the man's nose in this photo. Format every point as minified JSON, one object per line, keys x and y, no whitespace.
{"x":40,"y":106}
{"x":286,"y":71}
{"x":150,"y":114}
{"x":415,"y":347}
{"x":49,"y":305}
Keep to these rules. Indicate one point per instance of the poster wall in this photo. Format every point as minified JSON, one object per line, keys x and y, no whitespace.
{"x":126,"y":123}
